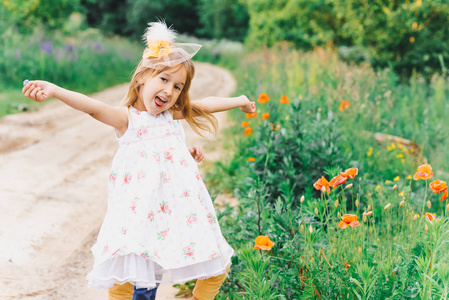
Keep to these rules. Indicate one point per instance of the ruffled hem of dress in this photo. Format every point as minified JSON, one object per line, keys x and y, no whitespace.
{"x":145,"y":273}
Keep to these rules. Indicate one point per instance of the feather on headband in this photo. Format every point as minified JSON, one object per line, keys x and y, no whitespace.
{"x":162,"y":50}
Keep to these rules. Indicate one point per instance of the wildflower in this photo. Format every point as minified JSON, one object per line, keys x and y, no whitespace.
{"x":347,"y":266}
{"x":400,"y":156}
{"x":415,"y":217}
{"x":402,"y":203}
{"x":322,"y":183}
{"x":395,"y":187}
{"x":348,"y":186}
{"x":348,"y":220}
{"x":439,"y":186}
{"x":251,"y":115}
{"x":429,"y":204}
{"x":409,"y":177}
{"x":263,"y":98}
{"x":388,"y":181}
{"x":377,"y":187}
{"x":265,"y":116}
{"x":251,"y":159}
{"x":337,"y":180}
{"x":302,"y":199}
{"x":263,"y":243}
{"x":423,"y":172}
{"x":430,"y":217}
{"x":387,"y":206}
{"x":248,"y":131}
{"x":284,"y":100}
{"x":401,"y":194}
{"x":302,"y":228}
{"x":412,"y":39}
{"x":344,"y":105}
{"x":397,"y":178}
{"x":245,"y":124}
{"x":272,"y":127}
{"x":350,"y":173}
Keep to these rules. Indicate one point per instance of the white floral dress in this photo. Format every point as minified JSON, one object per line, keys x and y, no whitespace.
{"x":160,"y":217}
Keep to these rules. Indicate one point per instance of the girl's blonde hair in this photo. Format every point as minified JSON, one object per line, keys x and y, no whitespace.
{"x":198,"y":117}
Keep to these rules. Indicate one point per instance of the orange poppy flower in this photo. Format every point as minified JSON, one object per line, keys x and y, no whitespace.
{"x":444,"y":196}
{"x":248,"y":131}
{"x":438,"y":186}
{"x":430,"y":217}
{"x":245,"y":124}
{"x":251,"y":159}
{"x":284,"y":100}
{"x":275,"y":127}
{"x":424,"y":172}
{"x":320,"y":183}
{"x":265,"y":116}
{"x":347,"y":265}
{"x":251,"y":115}
{"x":263,"y":243}
{"x":348,"y":220}
{"x":350,"y":173}
{"x":337,"y":180}
{"x":344,"y":105}
{"x":263,"y":98}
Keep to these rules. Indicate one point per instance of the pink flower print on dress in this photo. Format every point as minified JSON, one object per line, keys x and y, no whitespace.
{"x":164,"y":177}
{"x":115,"y":252}
{"x":164,"y":208}
{"x":143,"y":154}
{"x":210,"y":218}
{"x":151,"y":216}
{"x":163,"y":234}
{"x":183,"y":163}
{"x":186,"y":193}
{"x":126,"y":178}
{"x":191,"y":219}
{"x":168,"y":156}
{"x":198,"y":176}
{"x":123,"y":230}
{"x":188,"y":251}
{"x":105,"y":249}
{"x":156,"y":156}
{"x":141,"y":132}
{"x":141,"y":175}
{"x":137,"y":112}
{"x":213,"y":255}
{"x":144,"y":254}
{"x":156,"y":254}
{"x":133,"y":206}
{"x":112,"y":177}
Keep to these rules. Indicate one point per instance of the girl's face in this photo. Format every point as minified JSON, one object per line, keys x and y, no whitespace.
{"x":161,"y":92}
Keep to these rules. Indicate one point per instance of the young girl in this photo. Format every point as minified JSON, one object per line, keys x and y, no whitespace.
{"x":160,"y":218}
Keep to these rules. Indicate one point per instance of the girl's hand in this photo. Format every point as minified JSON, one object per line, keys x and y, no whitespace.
{"x":197,"y":153}
{"x":39,"y":90}
{"x":249,"y":107}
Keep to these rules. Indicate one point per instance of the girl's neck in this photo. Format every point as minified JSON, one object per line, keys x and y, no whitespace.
{"x":139,"y":106}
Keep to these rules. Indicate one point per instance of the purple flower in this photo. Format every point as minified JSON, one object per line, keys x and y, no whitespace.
{"x":46,"y":47}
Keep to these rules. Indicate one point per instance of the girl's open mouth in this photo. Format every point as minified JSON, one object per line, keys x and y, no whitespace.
{"x":159,"y":102}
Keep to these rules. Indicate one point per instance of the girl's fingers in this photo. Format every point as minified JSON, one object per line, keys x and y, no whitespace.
{"x":40,"y":96}
{"x":28,"y":91}
{"x":34,"y":92}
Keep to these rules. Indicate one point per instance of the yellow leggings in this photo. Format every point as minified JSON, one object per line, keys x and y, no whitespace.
{"x":205,"y":289}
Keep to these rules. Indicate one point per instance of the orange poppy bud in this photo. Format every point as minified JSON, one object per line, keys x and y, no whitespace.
{"x":284,"y":100}
{"x":251,"y":159}
{"x":316,"y":210}
{"x":402,"y":203}
{"x":395,"y":187}
{"x":368,"y":213}
{"x":245,"y":124}
{"x":310,"y":228}
{"x":357,"y":202}
{"x":429,"y":204}
{"x":426,"y":228}
{"x":444,"y":196}
{"x":251,"y":115}
{"x":302,"y":228}
{"x":387,"y":206}
{"x":430,"y":217}
{"x":265,"y":116}
{"x":424,"y":172}
{"x":344,"y":105}
{"x":263,"y":98}
{"x":336,"y":203}
{"x":248,"y":131}
{"x":415,"y":217}
{"x":263,"y":243}
{"x":348,"y":186}
{"x":302,"y":199}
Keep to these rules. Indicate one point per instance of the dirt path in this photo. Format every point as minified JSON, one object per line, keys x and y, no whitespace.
{"x":54,"y":165}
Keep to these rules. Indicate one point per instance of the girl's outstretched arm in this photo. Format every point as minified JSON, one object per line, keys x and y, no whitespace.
{"x":42,"y":90}
{"x":217,"y":104}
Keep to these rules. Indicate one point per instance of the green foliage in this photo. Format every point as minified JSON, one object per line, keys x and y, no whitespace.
{"x":28,"y":13}
{"x":406,"y":35}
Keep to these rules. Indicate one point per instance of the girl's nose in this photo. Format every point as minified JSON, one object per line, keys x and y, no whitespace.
{"x":168,"y":90}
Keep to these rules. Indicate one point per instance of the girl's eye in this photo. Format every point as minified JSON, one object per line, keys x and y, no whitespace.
{"x":163,"y":79}
{"x":177,"y":87}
